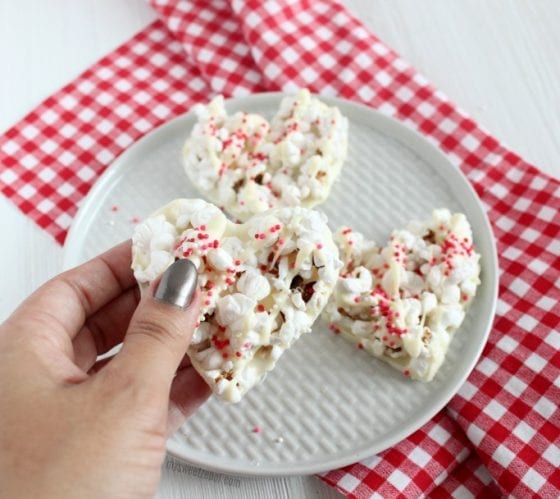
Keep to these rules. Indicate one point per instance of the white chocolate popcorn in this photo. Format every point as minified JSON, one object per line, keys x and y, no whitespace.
{"x":247,"y":165}
{"x":262,"y":286}
{"x":402,"y":303}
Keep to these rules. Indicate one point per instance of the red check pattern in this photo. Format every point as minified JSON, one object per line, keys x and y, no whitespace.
{"x":52,"y":156}
{"x":500,"y":434}
{"x":468,"y":479}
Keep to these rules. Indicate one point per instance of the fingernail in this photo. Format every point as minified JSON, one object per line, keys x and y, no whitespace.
{"x":178,"y":284}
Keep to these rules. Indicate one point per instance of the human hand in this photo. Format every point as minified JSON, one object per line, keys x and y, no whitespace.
{"x":74,"y":427}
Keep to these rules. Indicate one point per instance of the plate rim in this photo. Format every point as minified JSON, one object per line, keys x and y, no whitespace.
{"x":405,"y":135}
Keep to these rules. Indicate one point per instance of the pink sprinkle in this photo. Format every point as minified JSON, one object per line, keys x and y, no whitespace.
{"x":319,"y":246}
{"x":134,"y":220}
{"x":114,"y":208}
{"x":256,"y":429}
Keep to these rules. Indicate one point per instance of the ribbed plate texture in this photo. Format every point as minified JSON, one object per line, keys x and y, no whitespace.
{"x":326,"y":404}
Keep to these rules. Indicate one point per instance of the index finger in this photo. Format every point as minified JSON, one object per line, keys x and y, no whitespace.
{"x":70,"y":298}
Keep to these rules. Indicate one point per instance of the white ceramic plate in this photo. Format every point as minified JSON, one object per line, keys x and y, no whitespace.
{"x":326,"y":404}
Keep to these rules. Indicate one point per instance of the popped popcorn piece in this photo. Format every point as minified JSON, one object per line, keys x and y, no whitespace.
{"x":403,"y":302}
{"x":247,"y":165}
{"x":261,"y":284}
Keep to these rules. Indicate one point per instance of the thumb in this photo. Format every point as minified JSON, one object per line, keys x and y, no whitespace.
{"x":162,"y":326}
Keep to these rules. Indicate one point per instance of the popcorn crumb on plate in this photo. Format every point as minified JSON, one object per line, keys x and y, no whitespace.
{"x":331,"y":406}
{"x":263,"y":283}
{"x":246,"y":165}
{"x":403,"y":302}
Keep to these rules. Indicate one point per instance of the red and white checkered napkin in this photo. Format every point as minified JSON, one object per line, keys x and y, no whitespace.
{"x":500,"y":434}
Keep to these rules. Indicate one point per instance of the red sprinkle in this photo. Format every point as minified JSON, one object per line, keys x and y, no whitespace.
{"x":335,"y":329}
{"x":406,"y":372}
{"x":360,"y":346}
{"x":256,"y":429}
{"x":260,"y":307}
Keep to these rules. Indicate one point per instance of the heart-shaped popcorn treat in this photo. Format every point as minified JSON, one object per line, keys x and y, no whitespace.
{"x":402,"y":303}
{"x":246,"y":165}
{"x":263,"y":283}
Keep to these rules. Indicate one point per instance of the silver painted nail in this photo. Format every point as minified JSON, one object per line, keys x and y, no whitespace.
{"x":178,"y":284}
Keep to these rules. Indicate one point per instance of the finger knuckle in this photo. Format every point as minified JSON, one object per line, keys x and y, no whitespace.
{"x":158,"y":328}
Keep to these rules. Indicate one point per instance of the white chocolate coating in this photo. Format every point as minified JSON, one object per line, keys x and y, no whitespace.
{"x":247,"y":165}
{"x":263,"y":283}
{"x":402,"y":303}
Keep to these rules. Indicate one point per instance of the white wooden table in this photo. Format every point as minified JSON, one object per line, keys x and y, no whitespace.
{"x":497,"y":59}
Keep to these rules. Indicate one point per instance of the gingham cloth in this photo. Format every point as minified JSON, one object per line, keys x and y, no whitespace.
{"x":500,"y":433}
